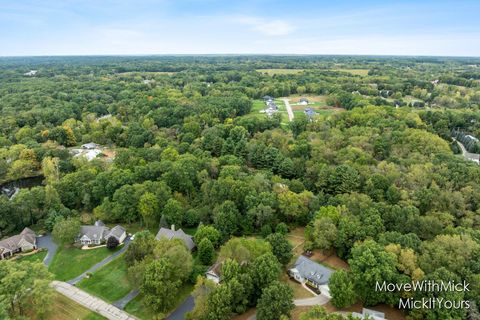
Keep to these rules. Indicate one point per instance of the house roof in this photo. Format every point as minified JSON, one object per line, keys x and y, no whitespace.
{"x":303,"y":100}
{"x":14,"y":243}
{"x":93,"y":232}
{"x":90,"y":145}
{"x":176,"y":234}
{"x":99,"y":223}
{"x":312,"y":271}
{"x":215,"y":269}
{"x":370,"y":314}
{"x":267,"y":98}
{"x":116,"y":232}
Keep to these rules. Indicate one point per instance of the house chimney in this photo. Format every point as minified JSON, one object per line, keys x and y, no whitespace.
{"x":172,"y":227}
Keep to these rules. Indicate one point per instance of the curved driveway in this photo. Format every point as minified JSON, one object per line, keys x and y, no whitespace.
{"x":46,"y":242}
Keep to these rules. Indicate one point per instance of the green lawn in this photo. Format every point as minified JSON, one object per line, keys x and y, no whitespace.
{"x":137,"y":307}
{"x":110,"y":282}
{"x":66,"y":309}
{"x":272,"y":72}
{"x":71,"y":262}
{"x":37,"y":257}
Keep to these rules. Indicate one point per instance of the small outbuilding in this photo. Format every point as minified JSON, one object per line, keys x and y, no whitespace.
{"x":303,"y":101}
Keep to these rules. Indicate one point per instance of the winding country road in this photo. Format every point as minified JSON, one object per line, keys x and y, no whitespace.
{"x":468,"y":155}
{"x":289,"y":109}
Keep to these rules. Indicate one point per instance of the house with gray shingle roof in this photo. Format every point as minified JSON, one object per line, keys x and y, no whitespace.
{"x":98,"y":233}
{"x":176,"y":234}
{"x":25,"y":241}
{"x":311,"y":273}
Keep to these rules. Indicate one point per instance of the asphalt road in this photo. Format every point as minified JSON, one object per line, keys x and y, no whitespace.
{"x":186,"y":306}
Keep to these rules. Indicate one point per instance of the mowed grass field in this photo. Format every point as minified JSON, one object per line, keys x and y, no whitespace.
{"x":110,"y":282}
{"x":66,"y":309}
{"x":138,"y":308}
{"x":70,"y":262}
{"x":272,"y":72}
{"x":355,"y":72}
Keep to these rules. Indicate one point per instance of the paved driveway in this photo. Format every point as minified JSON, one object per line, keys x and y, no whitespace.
{"x":121,"y":303}
{"x":101,"y":263}
{"x":93,"y":303}
{"x":186,"y":306}
{"x":46,"y":242}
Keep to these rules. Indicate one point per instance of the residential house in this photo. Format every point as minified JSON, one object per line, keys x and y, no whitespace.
{"x":99,"y":233}
{"x":30,"y":73}
{"x":176,"y":234}
{"x":310,"y":113}
{"x":303,"y":101}
{"x":369,"y":314}
{"x":213,"y":273}
{"x":25,"y":241}
{"x":267,"y":99}
{"x":312,"y":274}
{"x":89,"y":146}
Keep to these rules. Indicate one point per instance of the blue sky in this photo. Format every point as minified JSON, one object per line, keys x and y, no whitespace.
{"x":85,"y":27}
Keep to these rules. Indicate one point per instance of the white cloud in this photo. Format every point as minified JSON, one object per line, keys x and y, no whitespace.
{"x":267,"y":27}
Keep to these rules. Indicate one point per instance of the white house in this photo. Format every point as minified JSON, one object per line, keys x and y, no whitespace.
{"x":89,"y":146}
{"x":369,"y":314}
{"x":99,"y":233}
{"x":311,"y":273}
{"x":303,"y":101}
{"x":213,"y":273}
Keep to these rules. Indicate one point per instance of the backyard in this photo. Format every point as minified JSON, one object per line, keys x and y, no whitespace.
{"x":66,"y":309}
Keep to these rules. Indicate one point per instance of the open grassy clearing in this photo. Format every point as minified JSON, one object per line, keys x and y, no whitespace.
{"x":329,"y":260}
{"x":138,"y":308}
{"x":70,"y":262}
{"x":355,"y":72}
{"x":36,"y":257}
{"x":66,"y":309}
{"x":109,"y":283}
{"x":272,"y":72}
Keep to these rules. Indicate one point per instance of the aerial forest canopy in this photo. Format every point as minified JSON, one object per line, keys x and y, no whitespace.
{"x":375,"y":176}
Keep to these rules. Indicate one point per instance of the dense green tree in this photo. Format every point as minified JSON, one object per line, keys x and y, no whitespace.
{"x":66,"y":231}
{"x":276,"y":301}
{"x":281,"y":247}
{"x":342,"y":289}
{"x":206,"y":251}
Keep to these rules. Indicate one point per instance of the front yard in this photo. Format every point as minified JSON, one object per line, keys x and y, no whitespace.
{"x":36,"y":257}
{"x":110,"y":282}
{"x":66,"y":309}
{"x":70,"y":262}
{"x":137,"y":307}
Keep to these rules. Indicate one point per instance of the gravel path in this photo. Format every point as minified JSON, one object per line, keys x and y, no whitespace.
{"x":289,"y":108}
{"x":93,"y":303}
{"x":468,"y":155}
